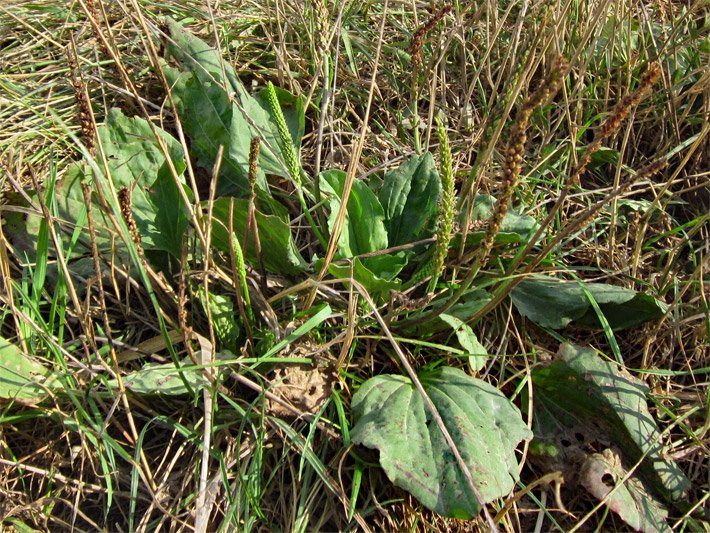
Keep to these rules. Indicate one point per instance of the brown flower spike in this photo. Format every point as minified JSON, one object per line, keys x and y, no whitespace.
{"x":515,"y":150}
{"x":613,"y":123}
{"x":82,"y":99}
{"x":125,"y":202}
{"x":415,"y":48}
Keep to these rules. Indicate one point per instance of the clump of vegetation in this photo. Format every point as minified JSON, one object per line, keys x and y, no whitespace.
{"x":354,"y":266}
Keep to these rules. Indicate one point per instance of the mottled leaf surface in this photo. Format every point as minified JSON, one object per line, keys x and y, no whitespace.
{"x":391,"y":417}
{"x":580,"y":397}
{"x":165,"y":379}
{"x":602,"y":472}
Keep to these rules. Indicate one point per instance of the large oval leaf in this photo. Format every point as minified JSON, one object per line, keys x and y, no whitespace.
{"x":554,"y":303}
{"x":579,"y":397}
{"x":409,"y":197}
{"x":217,"y":110}
{"x":364,"y":229}
{"x":391,"y":416}
{"x":136,"y":162}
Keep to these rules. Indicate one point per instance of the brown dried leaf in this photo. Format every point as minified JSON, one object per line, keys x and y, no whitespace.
{"x":602,"y":472}
{"x":304,"y":386}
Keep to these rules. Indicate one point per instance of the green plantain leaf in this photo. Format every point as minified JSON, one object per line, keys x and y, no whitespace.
{"x":390,"y":416}
{"x":165,"y":379}
{"x":552,"y":303}
{"x":468,"y":341}
{"x":581,"y":398}
{"x":216,"y":110}
{"x":387,"y":266}
{"x":471,"y":302}
{"x":364,"y":229}
{"x":21,"y":377}
{"x":278,"y":250}
{"x":409,"y":197}
{"x":377,"y":285}
{"x":133,"y":153}
{"x":514,"y":222}
{"x":135,"y":162}
{"x":171,"y":217}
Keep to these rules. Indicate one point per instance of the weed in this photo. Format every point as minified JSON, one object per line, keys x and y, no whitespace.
{"x":215,"y":225}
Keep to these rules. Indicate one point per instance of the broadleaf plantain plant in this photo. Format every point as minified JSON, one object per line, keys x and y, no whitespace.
{"x":450,"y":439}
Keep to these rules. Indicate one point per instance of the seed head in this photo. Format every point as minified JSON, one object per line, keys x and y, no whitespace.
{"x":81,"y":94}
{"x":616,"y":119}
{"x":415,"y":46}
